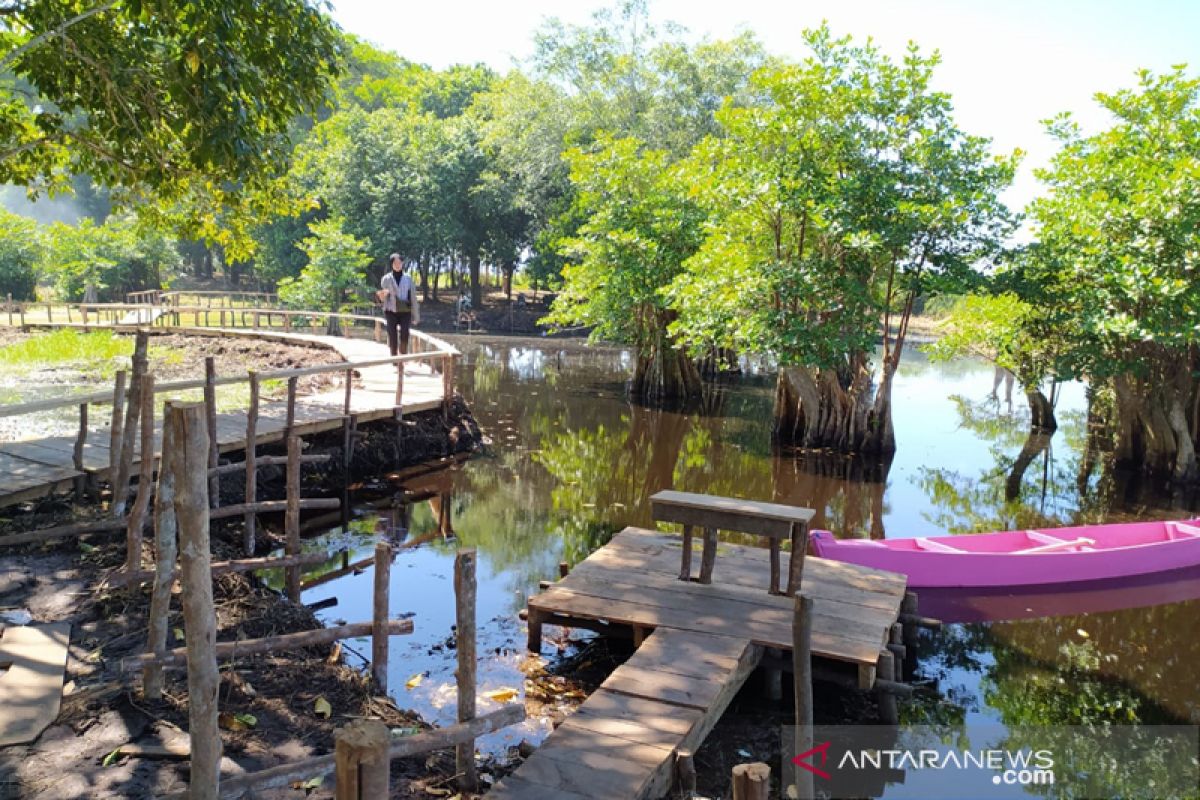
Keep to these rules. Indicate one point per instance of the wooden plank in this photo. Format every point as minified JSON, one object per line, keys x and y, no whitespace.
{"x":855,"y":622}
{"x":659,"y":684}
{"x":593,"y":764}
{"x":838,"y":600}
{"x":516,"y":788}
{"x":32,"y":686}
{"x":764,"y":627}
{"x":635,"y":718}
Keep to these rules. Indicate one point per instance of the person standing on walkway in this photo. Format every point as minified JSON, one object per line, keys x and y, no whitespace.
{"x":396,"y":294}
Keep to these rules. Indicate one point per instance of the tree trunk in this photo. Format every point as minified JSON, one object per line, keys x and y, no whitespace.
{"x":1041,"y":412}
{"x":476,"y":289}
{"x":1035,"y":444}
{"x":665,"y":375}
{"x":1156,"y":423}
{"x":822,"y":409}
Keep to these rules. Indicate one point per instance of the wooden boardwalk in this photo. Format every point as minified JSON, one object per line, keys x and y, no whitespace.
{"x":701,"y":643}
{"x":36,"y":467}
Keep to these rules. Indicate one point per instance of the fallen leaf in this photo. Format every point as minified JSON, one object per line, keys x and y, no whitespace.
{"x":112,"y":758}
{"x":236,"y":722}
{"x":1082,"y":633}
{"x":313,"y":783}
{"x":179,"y":634}
{"x":415,"y":680}
{"x":437,"y":792}
{"x":322,"y":707}
{"x":501,"y":695}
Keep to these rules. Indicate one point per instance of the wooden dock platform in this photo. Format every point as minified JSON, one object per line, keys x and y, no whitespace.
{"x":699,"y":644}
{"x":36,"y":467}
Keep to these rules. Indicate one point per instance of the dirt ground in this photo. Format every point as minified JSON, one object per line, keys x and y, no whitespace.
{"x":103,"y":710}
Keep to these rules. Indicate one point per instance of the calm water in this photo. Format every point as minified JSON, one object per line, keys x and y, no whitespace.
{"x":571,"y":462}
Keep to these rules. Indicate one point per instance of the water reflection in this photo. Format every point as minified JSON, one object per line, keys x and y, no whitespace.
{"x":571,"y":462}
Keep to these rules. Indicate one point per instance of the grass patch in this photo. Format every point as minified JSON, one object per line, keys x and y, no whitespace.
{"x":65,"y":346}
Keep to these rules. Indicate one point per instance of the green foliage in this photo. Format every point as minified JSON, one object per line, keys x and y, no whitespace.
{"x":153,"y":95}
{"x":117,"y":257}
{"x":838,"y":198}
{"x":21,"y":245}
{"x":640,"y":228}
{"x":990,"y":327}
{"x":336,"y":262}
{"x":65,"y":346}
{"x":1114,"y":274}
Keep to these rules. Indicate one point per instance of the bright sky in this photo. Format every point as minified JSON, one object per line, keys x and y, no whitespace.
{"x":1007,"y":63}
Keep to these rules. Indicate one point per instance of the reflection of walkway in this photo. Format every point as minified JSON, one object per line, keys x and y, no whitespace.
{"x":36,"y":467}
{"x":706,"y":640}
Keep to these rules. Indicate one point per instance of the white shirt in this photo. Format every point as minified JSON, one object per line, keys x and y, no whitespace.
{"x":396,"y":290}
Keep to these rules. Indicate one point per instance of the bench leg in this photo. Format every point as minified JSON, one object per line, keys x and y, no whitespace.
{"x":708,"y":558}
{"x":685,"y":563}
{"x":796,"y":562}
{"x":775,"y":566}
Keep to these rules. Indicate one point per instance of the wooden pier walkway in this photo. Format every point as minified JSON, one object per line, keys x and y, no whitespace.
{"x":701,"y":642}
{"x":36,"y":467}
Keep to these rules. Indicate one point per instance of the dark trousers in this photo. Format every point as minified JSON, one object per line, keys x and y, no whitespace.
{"x":401,"y":320}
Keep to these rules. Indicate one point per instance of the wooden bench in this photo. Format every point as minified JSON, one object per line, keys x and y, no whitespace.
{"x":774,"y":521}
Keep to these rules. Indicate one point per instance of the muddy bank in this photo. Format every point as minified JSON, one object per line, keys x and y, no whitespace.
{"x":271,"y":702}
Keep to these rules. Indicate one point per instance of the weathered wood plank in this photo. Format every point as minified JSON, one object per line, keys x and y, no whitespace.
{"x":773,"y":520}
{"x":32,"y":686}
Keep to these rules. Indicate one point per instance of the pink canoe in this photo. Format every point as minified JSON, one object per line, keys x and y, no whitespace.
{"x":1026,"y":558}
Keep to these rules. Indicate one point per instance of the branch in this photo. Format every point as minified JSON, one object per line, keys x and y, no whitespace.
{"x":59,"y":31}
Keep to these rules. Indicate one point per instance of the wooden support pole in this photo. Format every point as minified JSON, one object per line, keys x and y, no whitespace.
{"x":751,"y":781}
{"x":685,"y":772}
{"x":165,"y":550}
{"x":210,"y":413}
{"x":129,"y":429}
{"x":137,"y":516}
{"x":8,"y":304}
{"x":361,"y":762}
{"x":190,"y":454}
{"x":250,"y":521}
{"x":77,"y":453}
{"x":896,"y":645}
{"x":685,"y":561}
{"x":885,"y":670}
{"x":269,"y":461}
{"x":464,"y":595}
{"x":382,"y":611}
{"x":799,"y":537}
{"x":349,"y":388}
{"x":292,"y":516}
{"x":238,"y":565}
{"x":533,"y":620}
{"x":399,"y":386}
{"x":708,"y":558}
{"x":290,"y":422}
{"x":564,"y":569}
{"x":908,"y":606}
{"x":802,"y":676}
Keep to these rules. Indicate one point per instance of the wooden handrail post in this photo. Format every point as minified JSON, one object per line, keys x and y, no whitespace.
{"x":290,"y":422}
{"x":362,"y":763}
{"x":166,"y":548}
{"x":191,"y":508}
{"x":464,"y":595}
{"x":129,"y":430}
{"x":137,"y":517}
{"x":382,"y":606}
{"x":292,"y":516}
{"x":114,"y":434}
{"x":802,"y":675}
{"x":885,"y":671}
{"x":77,"y":454}
{"x":250,"y":521}
{"x":210,"y":413}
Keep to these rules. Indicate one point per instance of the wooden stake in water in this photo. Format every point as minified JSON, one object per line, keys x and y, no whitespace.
{"x":382,"y":604}
{"x":464,"y":594}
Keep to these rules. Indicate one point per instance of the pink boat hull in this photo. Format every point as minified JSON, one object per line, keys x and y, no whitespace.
{"x":1026,"y":558}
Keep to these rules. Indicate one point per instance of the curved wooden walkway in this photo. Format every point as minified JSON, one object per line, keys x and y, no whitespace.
{"x":34,"y":467}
